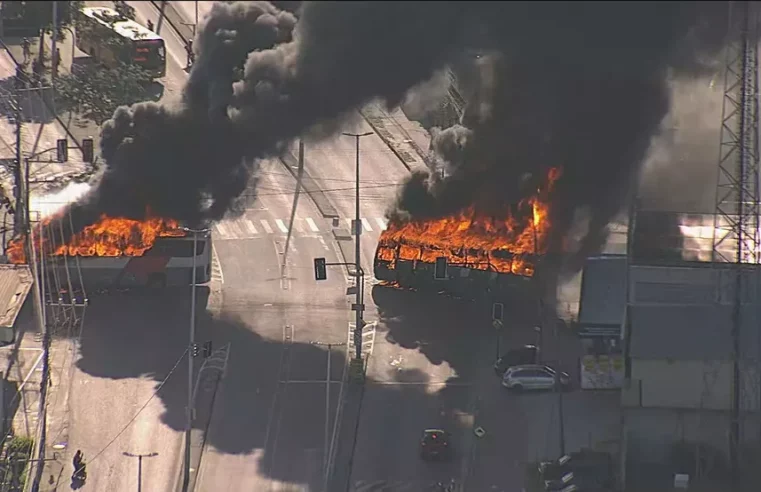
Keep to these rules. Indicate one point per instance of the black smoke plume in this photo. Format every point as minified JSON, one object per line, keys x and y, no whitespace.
{"x":579,"y":85}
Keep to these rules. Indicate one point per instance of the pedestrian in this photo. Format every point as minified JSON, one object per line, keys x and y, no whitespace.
{"x":56,"y":60}
{"x":77,"y":461}
{"x":150,"y":25}
{"x":36,"y":71}
{"x":27,"y":46}
{"x":191,"y":55}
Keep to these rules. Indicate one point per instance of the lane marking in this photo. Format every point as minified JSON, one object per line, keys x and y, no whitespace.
{"x":281,"y":225}
{"x":217,"y":264}
{"x":312,"y":225}
{"x":382,"y":223}
{"x":222,"y":230}
{"x":266,"y":226}
{"x":366,"y":225}
{"x":250,"y":226}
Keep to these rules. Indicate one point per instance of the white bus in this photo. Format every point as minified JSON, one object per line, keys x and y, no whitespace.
{"x":169,"y":263}
{"x":111,"y":38}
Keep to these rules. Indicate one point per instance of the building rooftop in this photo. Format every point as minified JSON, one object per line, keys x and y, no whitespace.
{"x":15,"y":283}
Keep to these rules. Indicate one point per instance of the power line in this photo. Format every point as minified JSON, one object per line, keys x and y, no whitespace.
{"x":132,"y":420}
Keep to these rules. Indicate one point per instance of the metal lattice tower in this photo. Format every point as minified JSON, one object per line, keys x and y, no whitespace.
{"x":736,"y":219}
{"x":736,"y":223}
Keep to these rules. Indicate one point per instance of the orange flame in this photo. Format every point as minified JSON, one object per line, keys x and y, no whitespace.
{"x":110,"y":236}
{"x":503,"y":245}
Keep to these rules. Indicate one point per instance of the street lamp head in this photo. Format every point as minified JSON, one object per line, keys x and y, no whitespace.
{"x":348,"y":134}
{"x":195,"y":231}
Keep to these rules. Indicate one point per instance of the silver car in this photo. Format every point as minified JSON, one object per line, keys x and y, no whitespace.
{"x":534,"y":377}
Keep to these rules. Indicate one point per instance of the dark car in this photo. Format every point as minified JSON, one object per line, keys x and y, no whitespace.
{"x":528,"y":354}
{"x":435,"y":444}
{"x":588,"y":470}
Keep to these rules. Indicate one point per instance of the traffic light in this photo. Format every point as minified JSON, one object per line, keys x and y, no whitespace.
{"x":62,"y":150}
{"x":207,"y":349}
{"x":440,"y":268}
{"x":497,"y":311}
{"x":195,"y":349}
{"x":88,"y":150}
{"x":320,"y":269}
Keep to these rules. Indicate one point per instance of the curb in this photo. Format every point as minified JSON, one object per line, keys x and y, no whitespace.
{"x":375,"y":122}
{"x":167,"y":10}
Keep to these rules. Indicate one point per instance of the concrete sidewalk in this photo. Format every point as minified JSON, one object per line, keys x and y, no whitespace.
{"x":22,"y":363}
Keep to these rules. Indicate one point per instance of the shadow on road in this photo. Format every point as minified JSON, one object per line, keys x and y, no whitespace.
{"x":145,"y":334}
{"x":30,"y":104}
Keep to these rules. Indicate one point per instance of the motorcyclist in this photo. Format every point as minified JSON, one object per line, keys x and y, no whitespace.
{"x":79,"y":463}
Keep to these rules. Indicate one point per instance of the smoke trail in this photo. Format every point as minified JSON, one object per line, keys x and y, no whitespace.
{"x":580,"y":85}
{"x":187,"y":161}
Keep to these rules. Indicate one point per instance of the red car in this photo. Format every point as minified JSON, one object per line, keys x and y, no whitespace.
{"x":435,"y":444}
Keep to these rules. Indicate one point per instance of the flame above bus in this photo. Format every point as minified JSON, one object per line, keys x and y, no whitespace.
{"x":503,"y":244}
{"x":110,"y":236}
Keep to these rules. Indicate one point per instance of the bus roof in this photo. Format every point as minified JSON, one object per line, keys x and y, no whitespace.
{"x":121,"y":25}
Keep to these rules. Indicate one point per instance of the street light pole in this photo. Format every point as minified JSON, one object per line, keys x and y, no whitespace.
{"x":192,"y":340}
{"x":359,"y":308}
{"x":140,"y":466}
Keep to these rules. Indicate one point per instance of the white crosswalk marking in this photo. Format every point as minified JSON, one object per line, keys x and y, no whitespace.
{"x":312,"y":225}
{"x":250,"y":226}
{"x":281,"y":225}
{"x":266,"y":226}
{"x":366,"y":225}
{"x":245,"y":228}
{"x":222,"y":230}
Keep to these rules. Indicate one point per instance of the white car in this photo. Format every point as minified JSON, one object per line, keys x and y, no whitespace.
{"x":534,"y":377}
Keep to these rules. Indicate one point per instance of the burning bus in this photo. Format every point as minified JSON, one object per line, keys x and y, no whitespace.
{"x":493,"y":255}
{"x":120,"y":253}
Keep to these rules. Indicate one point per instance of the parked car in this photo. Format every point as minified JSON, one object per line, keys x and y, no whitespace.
{"x":534,"y":377}
{"x":528,"y":354}
{"x":435,"y":444}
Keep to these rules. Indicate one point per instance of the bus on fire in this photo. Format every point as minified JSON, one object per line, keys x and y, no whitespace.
{"x":168,"y":263}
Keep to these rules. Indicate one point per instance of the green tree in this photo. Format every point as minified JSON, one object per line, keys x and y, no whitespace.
{"x":124,"y":9}
{"x":95,"y":92}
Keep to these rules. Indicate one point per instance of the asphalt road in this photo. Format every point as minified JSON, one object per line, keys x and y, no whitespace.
{"x":269,"y":420}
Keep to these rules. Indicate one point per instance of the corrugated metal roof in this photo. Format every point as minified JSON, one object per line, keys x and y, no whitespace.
{"x":603,"y":290}
{"x":15,"y":283}
{"x":697,"y":332}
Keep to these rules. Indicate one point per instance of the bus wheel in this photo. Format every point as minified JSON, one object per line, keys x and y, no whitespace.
{"x":157,"y":281}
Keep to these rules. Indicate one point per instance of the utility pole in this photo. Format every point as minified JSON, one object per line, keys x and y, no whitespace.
{"x":18,"y":219}
{"x":299,"y":176}
{"x":140,"y":466}
{"x":327,"y":445}
{"x":53,"y":52}
{"x":358,"y":306}
{"x":191,"y":344}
